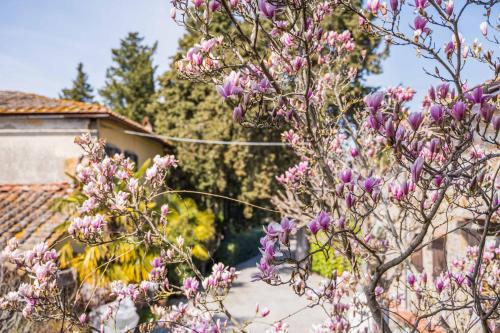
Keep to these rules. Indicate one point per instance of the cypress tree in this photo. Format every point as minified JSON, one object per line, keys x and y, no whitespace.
{"x":130,"y":81}
{"x":81,"y":90}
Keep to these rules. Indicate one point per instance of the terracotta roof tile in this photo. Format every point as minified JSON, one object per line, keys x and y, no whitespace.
{"x":20,"y":103}
{"x":15,"y":102}
{"x":26,"y":212}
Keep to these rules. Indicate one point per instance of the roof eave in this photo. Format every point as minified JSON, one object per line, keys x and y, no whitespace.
{"x":94,"y":115}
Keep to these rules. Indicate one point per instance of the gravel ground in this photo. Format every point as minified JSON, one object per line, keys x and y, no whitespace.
{"x":281,"y":300}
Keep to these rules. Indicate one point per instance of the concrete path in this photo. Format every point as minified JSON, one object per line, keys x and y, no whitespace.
{"x":281,"y":300}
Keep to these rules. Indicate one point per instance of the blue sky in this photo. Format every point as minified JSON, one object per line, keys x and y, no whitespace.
{"x":42,"y":41}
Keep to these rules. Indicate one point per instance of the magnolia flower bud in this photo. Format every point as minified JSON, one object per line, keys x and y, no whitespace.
{"x":314,"y":227}
{"x":442,"y":90}
{"x":323,"y":220}
{"x":432,"y":93}
{"x":416,"y":169}
{"x":238,"y":113}
{"x":439,"y":283}
{"x":346,"y":176}
{"x":394,"y":5}
{"x":449,"y":7}
{"x":438,"y":180}
{"x":449,"y":49}
{"x":411,"y":279}
{"x":415,"y":119}
{"x":458,"y":111}
{"x":434,"y":145}
{"x":349,"y":200}
{"x":82,"y":319}
{"x":374,"y":101}
{"x":214,"y":5}
{"x":340,"y":223}
{"x":437,"y":112}
{"x":400,"y":133}
{"x":265,"y":312}
{"x":354,"y":152}
{"x":389,"y":128}
{"x":339,"y":188}
{"x":267,"y":9}
{"x":370,"y":183}
{"x":484,"y":28}
{"x":197,"y":3}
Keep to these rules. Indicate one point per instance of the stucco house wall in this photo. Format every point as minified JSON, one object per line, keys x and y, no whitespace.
{"x":36,"y":150}
{"x":143,"y":147}
{"x":41,"y":149}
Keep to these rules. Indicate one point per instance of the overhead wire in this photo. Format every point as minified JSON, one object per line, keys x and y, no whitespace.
{"x":210,"y":142}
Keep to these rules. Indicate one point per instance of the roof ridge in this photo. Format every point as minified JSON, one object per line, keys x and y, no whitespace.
{"x":20,"y":103}
{"x":28,"y":186}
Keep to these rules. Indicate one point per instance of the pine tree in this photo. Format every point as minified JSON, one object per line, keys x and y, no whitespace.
{"x":130,"y":82}
{"x":81,"y":90}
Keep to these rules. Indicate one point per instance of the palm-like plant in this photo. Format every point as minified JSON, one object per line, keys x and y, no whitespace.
{"x":128,"y":261}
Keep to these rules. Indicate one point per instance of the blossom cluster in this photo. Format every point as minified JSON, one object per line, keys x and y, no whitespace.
{"x":277,"y":234}
{"x":294,"y":175}
{"x":220,"y":280}
{"x":250,"y":83}
{"x":109,"y":184}
{"x":40,"y":294}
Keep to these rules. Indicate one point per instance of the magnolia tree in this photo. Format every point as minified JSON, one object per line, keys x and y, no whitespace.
{"x":377,"y":184}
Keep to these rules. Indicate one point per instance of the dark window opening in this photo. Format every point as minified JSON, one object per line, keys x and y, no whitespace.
{"x":417,"y":260}
{"x":132,"y":156}
{"x":439,"y":263}
{"x":471,"y":236}
{"x":111,"y":150}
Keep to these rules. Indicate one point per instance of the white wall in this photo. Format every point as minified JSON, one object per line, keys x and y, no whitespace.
{"x":36,"y":150}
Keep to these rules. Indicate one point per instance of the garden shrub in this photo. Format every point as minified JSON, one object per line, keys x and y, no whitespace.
{"x":326,"y":262}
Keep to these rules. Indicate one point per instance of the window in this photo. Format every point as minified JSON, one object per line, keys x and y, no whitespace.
{"x":439,"y":264}
{"x":471,"y":236}
{"x":111,"y":150}
{"x":417,"y":260}
{"x":132,"y":156}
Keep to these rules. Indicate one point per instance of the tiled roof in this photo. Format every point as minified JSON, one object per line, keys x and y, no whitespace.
{"x":15,"y":102}
{"x":20,"y":103}
{"x":26,"y":212}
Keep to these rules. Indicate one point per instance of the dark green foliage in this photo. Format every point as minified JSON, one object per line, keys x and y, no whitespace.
{"x":194,"y":110}
{"x":130,"y":82}
{"x":81,"y":90}
{"x":237,"y":248}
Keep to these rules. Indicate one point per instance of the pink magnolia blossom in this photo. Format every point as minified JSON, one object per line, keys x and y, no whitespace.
{"x":419,"y":25}
{"x":230,"y":86}
{"x":267,"y":9}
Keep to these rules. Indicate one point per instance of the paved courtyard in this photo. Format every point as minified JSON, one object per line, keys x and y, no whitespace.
{"x":281,"y":300}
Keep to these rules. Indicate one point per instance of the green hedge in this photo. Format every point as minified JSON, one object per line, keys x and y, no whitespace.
{"x":324,"y":263}
{"x":237,"y":248}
